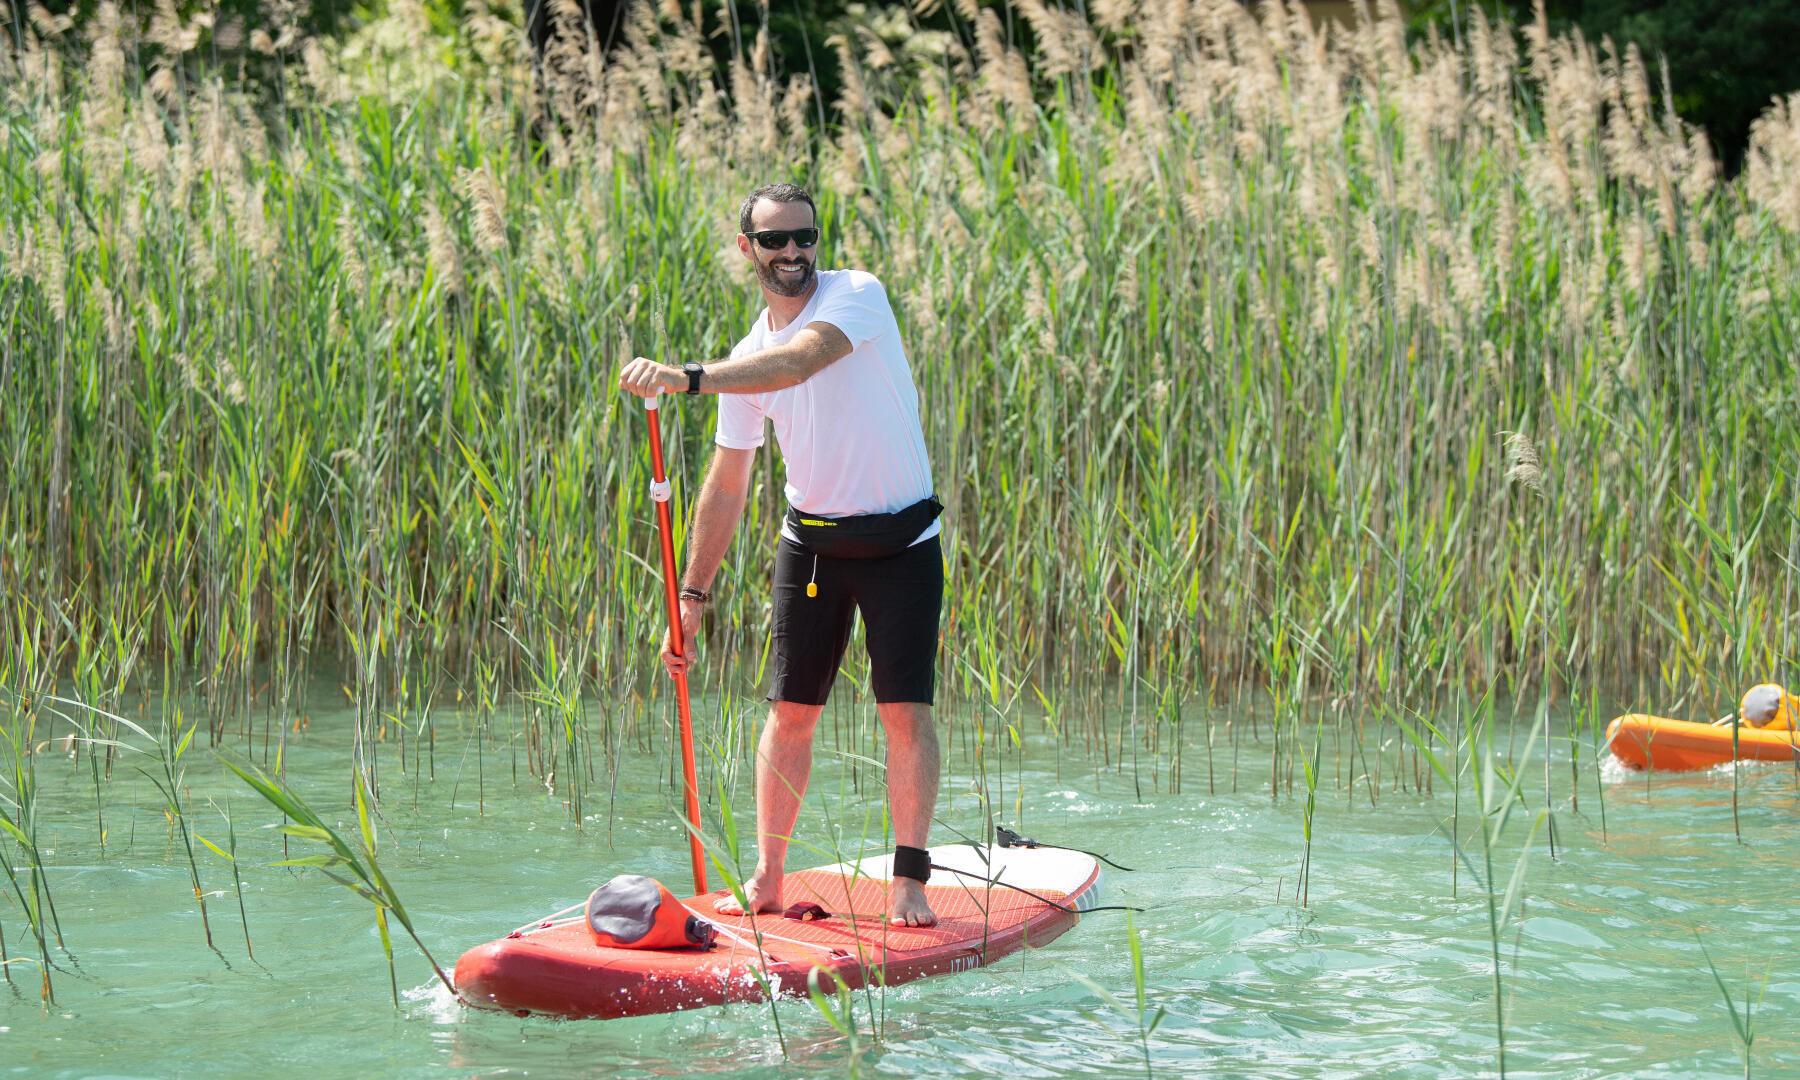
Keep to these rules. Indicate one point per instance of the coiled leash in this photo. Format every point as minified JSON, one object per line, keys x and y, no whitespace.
{"x":1007,"y":838}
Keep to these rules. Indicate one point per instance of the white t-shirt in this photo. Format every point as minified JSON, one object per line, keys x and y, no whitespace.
{"x":850,"y":434}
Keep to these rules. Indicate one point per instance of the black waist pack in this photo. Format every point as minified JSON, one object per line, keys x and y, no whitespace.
{"x":864,"y":536}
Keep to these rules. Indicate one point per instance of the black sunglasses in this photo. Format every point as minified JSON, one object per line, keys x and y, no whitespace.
{"x":776,"y":239}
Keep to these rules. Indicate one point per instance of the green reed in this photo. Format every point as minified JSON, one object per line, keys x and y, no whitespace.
{"x":1138,"y":1009}
{"x":838,"y":1007}
{"x":1499,"y":794}
{"x":353,"y":866}
{"x":1743,"y":1024}
{"x":19,"y":823}
{"x":171,"y":745}
{"x":229,"y":854}
{"x":727,"y":860}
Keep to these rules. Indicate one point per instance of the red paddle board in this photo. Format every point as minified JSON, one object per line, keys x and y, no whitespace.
{"x":555,"y":968}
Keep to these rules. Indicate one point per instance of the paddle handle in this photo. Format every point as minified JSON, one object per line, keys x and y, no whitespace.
{"x":660,"y":494}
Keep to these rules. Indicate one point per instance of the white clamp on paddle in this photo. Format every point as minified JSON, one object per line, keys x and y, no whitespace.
{"x":660,"y":491}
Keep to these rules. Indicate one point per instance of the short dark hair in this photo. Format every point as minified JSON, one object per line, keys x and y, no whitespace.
{"x":788,"y":193}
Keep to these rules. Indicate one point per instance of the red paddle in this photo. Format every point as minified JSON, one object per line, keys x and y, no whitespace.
{"x":659,"y":493}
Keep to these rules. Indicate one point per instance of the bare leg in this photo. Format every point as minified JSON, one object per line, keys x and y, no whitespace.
{"x":783,"y":765}
{"x":912,"y":777}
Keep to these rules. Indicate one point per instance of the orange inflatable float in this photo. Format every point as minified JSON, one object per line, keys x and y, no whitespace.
{"x":1656,"y":742}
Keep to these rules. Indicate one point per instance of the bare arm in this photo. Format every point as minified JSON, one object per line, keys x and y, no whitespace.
{"x":816,"y":346}
{"x":716,"y":514}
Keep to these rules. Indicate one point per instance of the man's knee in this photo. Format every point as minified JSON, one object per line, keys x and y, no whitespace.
{"x":907,"y":721}
{"x":791,"y":720}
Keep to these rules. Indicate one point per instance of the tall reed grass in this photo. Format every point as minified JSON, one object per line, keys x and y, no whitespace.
{"x":1218,"y":321}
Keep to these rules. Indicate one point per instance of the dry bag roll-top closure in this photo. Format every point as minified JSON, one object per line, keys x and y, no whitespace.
{"x":864,"y":536}
{"x":636,"y":912}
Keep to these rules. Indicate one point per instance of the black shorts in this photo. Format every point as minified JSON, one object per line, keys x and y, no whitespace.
{"x":899,"y":596}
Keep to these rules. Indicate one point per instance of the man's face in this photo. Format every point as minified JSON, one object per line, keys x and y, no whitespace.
{"x":787,"y":271}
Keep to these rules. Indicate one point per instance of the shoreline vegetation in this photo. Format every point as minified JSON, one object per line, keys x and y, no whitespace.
{"x":1353,"y":383}
{"x":1269,"y":358}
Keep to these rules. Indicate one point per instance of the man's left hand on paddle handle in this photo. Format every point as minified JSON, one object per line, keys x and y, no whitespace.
{"x":647,"y":378}
{"x":691,"y":610}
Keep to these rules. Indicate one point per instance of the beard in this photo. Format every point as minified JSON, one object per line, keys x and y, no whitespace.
{"x":780,"y":285}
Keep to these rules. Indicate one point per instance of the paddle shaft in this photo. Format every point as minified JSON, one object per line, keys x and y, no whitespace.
{"x":659,"y":493}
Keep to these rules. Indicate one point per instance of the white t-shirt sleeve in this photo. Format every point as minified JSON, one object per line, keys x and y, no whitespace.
{"x":740,"y":421}
{"x":859,"y":308}
{"x":741,"y":415}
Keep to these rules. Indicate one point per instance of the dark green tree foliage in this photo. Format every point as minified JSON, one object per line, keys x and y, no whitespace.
{"x":1726,"y":58}
{"x":233,"y":19}
{"x":799,"y":31}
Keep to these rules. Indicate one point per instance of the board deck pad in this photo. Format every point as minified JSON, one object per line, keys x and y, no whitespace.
{"x":556,"y":968}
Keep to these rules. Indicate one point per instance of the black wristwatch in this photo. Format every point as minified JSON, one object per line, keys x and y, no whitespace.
{"x":694,"y":371}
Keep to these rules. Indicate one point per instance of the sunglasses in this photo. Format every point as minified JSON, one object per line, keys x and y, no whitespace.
{"x":776,"y":239}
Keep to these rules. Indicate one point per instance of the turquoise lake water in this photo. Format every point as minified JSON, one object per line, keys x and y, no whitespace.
{"x":1382,"y":973}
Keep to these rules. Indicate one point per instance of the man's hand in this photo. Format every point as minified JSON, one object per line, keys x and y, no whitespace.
{"x":691,"y":610}
{"x":646,"y":377}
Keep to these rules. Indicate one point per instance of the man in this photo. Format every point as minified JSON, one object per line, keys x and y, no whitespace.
{"x":825,"y":365}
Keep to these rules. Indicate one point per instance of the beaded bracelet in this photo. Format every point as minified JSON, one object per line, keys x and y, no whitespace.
{"x":688,"y":592}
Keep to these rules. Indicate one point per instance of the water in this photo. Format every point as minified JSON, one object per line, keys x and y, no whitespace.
{"x":1383,"y":973}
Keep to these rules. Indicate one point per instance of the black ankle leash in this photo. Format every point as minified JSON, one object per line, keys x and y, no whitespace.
{"x":1005,"y":837}
{"x":912,"y":862}
{"x":1040,"y":899}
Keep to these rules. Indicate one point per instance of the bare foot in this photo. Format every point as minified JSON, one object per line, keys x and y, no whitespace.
{"x":763,"y":892}
{"x":906,"y":904}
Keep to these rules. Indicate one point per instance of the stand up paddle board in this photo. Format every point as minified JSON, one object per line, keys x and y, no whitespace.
{"x":990,"y":902}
